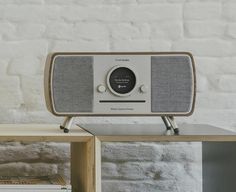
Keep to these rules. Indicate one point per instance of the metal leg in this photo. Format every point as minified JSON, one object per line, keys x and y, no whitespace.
{"x":67,"y":123}
{"x":62,"y":126}
{"x":170,"y":124}
{"x":167,"y":124}
{"x":173,"y":124}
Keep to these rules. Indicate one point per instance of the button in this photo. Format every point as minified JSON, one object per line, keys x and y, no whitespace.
{"x":143,"y":88}
{"x":101,"y":88}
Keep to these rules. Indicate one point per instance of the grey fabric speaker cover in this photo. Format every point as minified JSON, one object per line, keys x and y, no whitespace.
{"x":172,"y":84}
{"x":73,"y":84}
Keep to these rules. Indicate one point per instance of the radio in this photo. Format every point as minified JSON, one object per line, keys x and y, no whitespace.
{"x":115,"y":84}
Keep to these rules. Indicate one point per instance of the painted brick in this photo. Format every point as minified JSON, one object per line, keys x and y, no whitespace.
{"x":3,"y":66}
{"x":109,"y":170}
{"x":172,"y":30}
{"x":30,"y":13}
{"x":216,"y":66}
{"x":132,"y":152}
{"x":6,"y":29}
{"x":11,"y":96}
{"x":231,"y":30}
{"x":94,"y":31}
{"x":227,"y":83}
{"x":28,"y":31}
{"x":60,"y":31}
{"x":81,"y":45}
{"x":19,"y":153}
{"x":141,"y":45}
{"x":20,"y":2}
{"x":148,"y":171}
{"x":24,"y":66}
{"x":198,"y":29}
{"x":15,"y":49}
{"x":120,"y":2}
{"x":150,"y":186}
{"x":55,"y":152}
{"x":215,"y":100}
{"x":202,"y":10}
{"x":152,"y":1}
{"x":209,"y":47}
{"x":86,"y":31}
{"x":206,"y":65}
{"x":61,"y":2}
{"x":91,"y":13}
{"x":130,"y":31}
{"x":32,"y":88}
{"x":202,"y":83}
{"x":131,"y":45}
{"x":160,"y":45}
{"x":26,"y":169}
{"x":158,"y":12}
{"x":229,"y":11}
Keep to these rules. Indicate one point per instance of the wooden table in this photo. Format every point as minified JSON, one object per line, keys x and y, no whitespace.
{"x":218,"y":148}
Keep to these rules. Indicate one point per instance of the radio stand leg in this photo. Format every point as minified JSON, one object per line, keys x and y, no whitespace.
{"x":67,"y":123}
{"x":170,"y":124}
{"x":167,"y":124}
{"x":62,"y":126}
{"x":173,"y":124}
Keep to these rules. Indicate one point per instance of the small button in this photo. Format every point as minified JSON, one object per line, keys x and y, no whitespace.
{"x":143,"y":88}
{"x":101,"y":88}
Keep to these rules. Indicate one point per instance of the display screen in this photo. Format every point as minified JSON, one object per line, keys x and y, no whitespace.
{"x":122,"y":80}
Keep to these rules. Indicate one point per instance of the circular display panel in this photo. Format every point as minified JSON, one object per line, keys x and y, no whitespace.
{"x":122,"y":80}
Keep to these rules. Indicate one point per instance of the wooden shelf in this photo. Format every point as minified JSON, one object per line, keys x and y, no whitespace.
{"x":156,"y":132}
{"x":41,"y":133}
{"x":86,"y":141}
{"x":82,"y":148}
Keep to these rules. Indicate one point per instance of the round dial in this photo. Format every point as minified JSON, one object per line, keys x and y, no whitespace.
{"x":101,"y":88}
{"x":143,"y":88}
{"x":121,"y":80}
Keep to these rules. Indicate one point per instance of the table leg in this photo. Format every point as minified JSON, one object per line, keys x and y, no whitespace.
{"x":98,"y":166}
{"x":82,"y":166}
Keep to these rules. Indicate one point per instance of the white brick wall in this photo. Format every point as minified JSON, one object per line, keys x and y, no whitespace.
{"x":29,"y":29}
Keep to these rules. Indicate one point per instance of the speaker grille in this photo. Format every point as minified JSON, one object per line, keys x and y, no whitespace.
{"x":73,"y":84}
{"x":171,"y":84}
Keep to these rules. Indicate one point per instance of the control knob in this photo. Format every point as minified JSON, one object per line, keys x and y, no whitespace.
{"x":101,"y":88}
{"x":143,"y":88}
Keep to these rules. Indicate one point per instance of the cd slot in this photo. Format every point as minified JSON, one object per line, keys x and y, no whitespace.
{"x":122,"y":101}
